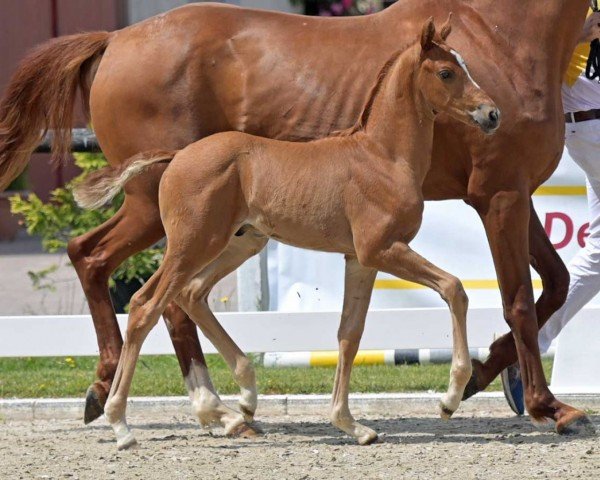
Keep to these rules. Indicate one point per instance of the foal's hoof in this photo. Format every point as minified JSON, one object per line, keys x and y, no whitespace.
{"x":243,"y":430}
{"x":95,"y":398}
{"x":576,"y":424}
{"x":445,"y":412}
{"x":368,"y":438}
{"x":128,"y":442}
{"x":472,"y":387}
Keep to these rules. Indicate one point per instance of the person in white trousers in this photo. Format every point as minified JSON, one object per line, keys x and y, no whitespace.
{"x":581,"y":103}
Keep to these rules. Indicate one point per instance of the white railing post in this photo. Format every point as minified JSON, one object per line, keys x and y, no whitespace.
{"x":253,"y":284}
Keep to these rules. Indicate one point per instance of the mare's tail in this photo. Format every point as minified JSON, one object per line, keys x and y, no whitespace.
{"x":102,"y":186}
{"x":41,"y":95}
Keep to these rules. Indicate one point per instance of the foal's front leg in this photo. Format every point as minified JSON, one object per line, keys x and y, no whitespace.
{"x":400,"y":260}
{"x":359,"y":282}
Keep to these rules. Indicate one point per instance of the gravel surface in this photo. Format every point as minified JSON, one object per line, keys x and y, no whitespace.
{"x":478,"y":444}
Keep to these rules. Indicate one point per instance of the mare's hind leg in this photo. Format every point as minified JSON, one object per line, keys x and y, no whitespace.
{"x":193,"y":300}
{"x":357,"y":295}
{"x":96,"y":254}
{"x":402,"y":261}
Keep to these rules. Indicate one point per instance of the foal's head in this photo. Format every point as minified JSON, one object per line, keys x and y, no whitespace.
{"x":447,"y":85}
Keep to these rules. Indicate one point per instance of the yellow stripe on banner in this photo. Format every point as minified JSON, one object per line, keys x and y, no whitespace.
{"x":395,"y":284}
{"x":363,"y":357}
{"x":560,"y":190}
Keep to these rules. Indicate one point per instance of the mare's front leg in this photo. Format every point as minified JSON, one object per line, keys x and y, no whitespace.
{"x":358,"y":287}
{"x":506,"y":219}
{"x":555,"y":280}
{"x":400,"y":260}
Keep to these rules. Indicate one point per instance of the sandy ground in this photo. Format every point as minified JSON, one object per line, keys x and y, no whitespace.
{"x":475,"y":445}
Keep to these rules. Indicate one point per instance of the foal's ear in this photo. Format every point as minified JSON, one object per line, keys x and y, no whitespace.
{"x":447,"y":28}
{"x":427,"y":34}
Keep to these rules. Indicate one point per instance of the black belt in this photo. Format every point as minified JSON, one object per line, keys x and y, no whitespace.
{"x":576,"y":117}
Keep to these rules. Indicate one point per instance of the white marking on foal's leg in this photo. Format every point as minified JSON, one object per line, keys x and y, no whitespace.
{"x":342,"y":418}
{"x":206,"y":403}
{"x":460,"y":372}
{"x":114,"y":411}
{"x":245,"y":377}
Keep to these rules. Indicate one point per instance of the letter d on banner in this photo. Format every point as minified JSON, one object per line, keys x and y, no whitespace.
{"x":569,"y":229}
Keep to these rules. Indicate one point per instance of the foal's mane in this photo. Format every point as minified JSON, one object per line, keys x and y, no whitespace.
{"x":375,"y":89}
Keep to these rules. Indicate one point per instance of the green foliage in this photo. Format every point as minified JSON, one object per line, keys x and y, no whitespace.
{"x":18,"y":184}
{"x":42,"y":280}
{"x":61,"y":219}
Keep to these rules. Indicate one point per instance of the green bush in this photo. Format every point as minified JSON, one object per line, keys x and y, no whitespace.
{"x":61,"y":219}
{"x":18,"y":184}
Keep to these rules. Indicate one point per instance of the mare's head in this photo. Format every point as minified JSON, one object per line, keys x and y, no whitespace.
{"x":447,"y":85}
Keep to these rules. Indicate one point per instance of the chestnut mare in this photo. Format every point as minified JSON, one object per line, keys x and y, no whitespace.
{"x":201,"y":69}
{"x":358,"y":193}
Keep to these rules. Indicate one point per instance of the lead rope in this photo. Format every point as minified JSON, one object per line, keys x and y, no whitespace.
{"x":592,"y":69}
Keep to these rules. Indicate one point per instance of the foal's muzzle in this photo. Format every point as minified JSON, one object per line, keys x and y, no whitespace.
{"x":487,"y":117}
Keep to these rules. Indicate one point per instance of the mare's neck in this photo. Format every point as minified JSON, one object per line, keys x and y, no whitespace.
{"x":540,"y":46}
{"x":547,"y":37}
{"x":399,"y":122}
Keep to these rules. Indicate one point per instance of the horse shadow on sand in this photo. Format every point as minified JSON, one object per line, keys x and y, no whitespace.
{"x":402,"y":431}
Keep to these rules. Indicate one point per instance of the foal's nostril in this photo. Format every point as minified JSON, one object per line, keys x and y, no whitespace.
{"x":494,"y":116}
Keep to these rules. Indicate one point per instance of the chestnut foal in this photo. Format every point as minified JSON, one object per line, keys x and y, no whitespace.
{"x":357,"y":193}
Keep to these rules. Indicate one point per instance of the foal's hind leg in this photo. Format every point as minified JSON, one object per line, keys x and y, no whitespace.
{"x":357,"y":295}
{"x":193,"y":300}
{"x":402,"y":261}
{"x":95,"y":255}
{"x":146,"y":307}
{"x":184,"y":258}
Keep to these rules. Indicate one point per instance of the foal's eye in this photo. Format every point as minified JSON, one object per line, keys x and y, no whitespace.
{"x":446,"y":74}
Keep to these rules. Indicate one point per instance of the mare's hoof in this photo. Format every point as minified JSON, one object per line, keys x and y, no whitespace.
{"x":95,"y":398}
{"x":445,"y":412}
{"x":472,"y":387}
{"x":243,"y":430}
{"x":579,"y":424}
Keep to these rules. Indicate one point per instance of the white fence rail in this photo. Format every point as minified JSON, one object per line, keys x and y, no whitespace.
{"x":258,"y":332}
{"x":291,"y":332}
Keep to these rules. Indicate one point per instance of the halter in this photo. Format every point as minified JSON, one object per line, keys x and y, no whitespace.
{"x":592,"y":70}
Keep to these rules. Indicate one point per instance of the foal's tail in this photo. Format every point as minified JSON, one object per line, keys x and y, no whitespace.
{"x":102,"y":186}
{"x":41,"y":95}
